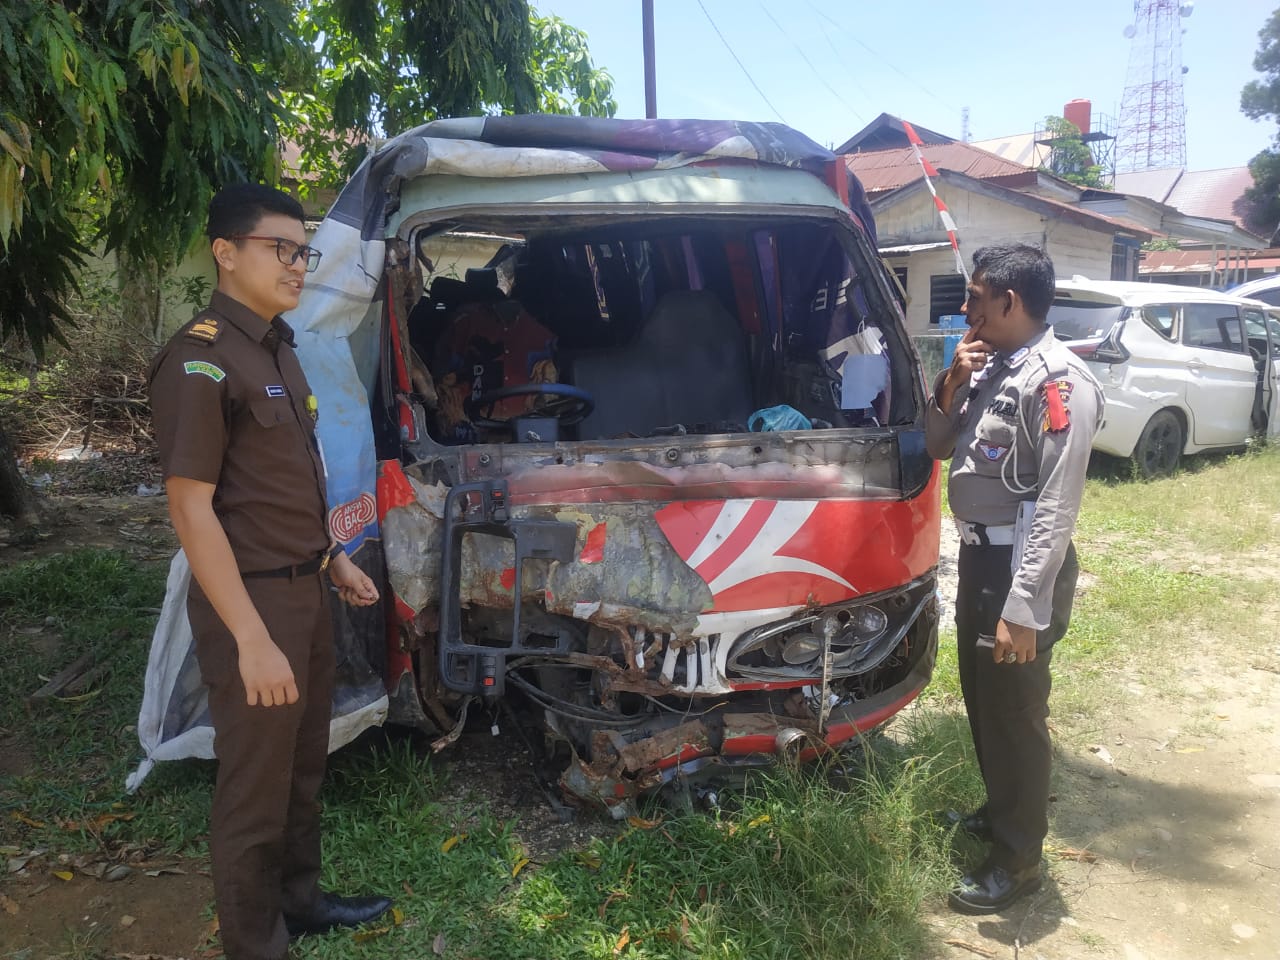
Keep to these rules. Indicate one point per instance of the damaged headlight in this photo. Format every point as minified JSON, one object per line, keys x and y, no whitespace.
{"x":857,"y":635}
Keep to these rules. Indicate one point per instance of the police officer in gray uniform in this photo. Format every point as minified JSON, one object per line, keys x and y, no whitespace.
{"x":1016,"y":411}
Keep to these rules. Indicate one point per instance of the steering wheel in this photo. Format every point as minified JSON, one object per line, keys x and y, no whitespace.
{"x":567,"y":404}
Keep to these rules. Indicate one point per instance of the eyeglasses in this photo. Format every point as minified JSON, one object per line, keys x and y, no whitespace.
{"x":288,"y":251}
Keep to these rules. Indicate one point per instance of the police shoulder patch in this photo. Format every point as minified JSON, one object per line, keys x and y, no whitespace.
{"x":1057,"y":418}
{"x":204,"y":330}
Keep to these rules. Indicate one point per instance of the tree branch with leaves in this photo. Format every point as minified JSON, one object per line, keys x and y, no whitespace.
{"x":381,"y":68}
{"x":1260,"y":100}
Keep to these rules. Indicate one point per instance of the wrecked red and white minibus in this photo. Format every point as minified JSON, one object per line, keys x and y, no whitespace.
{"x":625,"y":416}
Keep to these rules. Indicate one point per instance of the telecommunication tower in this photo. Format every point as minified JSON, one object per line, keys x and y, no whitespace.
{"x":1152,"y":130}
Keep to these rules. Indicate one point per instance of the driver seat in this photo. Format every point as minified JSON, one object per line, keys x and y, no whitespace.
{"x":488,"y":346}
{"x":687,"y":366}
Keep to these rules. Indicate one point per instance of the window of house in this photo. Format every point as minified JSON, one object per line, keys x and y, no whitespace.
{"x":946,"y":295}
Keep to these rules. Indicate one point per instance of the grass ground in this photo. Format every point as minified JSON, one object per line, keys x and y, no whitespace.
{"x":799,"y":865}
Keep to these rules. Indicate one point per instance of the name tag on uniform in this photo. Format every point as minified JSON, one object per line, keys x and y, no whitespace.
{"x":275,"y":391}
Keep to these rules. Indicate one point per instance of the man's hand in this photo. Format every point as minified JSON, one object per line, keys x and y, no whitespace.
{"x":1013,"y":639}
{"x":972,"y":354}
{"x":265,"y":672}
{"x":354,"y":585}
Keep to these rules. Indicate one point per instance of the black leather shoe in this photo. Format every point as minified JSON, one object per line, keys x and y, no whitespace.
{"x":333,"y":911}
{"x":990,"y":889}
{"x":975,"y":824}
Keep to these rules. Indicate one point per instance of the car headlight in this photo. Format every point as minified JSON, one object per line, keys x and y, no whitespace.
{"x":857,"y":636}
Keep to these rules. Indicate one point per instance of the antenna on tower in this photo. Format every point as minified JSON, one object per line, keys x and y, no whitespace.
{"x":1152,"y":131}
{"x":964,"y":124}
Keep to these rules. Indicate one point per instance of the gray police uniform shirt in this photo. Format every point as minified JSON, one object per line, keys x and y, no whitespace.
{"x":1022,"y":431}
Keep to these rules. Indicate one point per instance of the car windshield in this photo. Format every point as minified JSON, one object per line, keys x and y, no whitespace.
{"x":1081,"y":320}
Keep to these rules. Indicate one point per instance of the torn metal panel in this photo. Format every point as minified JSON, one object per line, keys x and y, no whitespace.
{"x":637,"y":579}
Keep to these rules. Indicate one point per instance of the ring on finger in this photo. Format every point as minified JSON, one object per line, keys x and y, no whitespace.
{"x":1011,"y":657}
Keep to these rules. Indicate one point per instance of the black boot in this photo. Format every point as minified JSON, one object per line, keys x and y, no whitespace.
{"x":992,"y":888}
{"x":332,"y":911}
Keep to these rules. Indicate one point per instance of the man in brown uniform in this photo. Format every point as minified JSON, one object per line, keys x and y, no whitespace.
{"x":235,"y":423}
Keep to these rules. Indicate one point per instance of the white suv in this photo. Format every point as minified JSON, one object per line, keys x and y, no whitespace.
{"x":1266,"y":289}
{"x":1183,"y":370}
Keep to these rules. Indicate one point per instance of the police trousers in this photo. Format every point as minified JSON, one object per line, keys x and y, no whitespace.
{"x":1008,"y":704}
{"x":264,"y":831}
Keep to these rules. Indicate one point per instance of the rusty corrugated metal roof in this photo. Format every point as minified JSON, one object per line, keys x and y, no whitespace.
{"x":1202,"y":261}
{"x":1176,"y":261}
{"x":882,"y":170}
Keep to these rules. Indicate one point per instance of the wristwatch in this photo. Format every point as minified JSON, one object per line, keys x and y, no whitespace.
{"x":329,"y":556}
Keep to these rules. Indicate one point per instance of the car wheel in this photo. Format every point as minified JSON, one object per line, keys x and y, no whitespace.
{"x":1160,"y":446}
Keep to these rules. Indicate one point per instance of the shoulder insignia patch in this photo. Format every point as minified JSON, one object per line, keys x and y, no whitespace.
{"x":1056,"y":417}
{"x":1016,"y":358}
{"x":214,"y":373}
{"x":206,"y":330}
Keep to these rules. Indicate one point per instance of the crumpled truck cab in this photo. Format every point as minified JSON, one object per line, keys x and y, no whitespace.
{"x":648,"y":433}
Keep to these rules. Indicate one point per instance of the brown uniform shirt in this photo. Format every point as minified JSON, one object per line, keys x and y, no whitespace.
{"x":229,"y":404}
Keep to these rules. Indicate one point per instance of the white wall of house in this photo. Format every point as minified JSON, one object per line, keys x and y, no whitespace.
{"x":981,"y":220}
{"x":920,"y":267}
{"x":101,"y":277}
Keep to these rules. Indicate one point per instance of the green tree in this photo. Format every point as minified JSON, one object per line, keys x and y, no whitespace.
{"x":384,"y":67}
{"x":119,"y":118}
{"x":1069,"y":156}
{"x":1260,"y":100}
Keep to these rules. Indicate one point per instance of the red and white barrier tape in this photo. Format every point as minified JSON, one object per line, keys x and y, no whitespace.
{"x":929,"y":173}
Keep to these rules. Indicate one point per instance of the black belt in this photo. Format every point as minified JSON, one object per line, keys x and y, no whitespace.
{"x":304,"y":569}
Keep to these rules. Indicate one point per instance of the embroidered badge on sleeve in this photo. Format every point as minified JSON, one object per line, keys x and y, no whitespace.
{"x":992,"y":451}
{"x":1057,"y":419}
{"x":214,"y":373}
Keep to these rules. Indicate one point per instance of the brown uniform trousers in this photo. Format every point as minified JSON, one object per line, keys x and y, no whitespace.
{"x":265,"y":824}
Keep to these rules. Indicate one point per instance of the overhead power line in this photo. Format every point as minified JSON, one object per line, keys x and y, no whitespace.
{"x":852,"y":36}
{"x":805,"y":57}
{"x":746,"y":72}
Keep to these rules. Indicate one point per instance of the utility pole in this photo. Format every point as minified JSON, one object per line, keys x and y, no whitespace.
{"x":650,"y":80}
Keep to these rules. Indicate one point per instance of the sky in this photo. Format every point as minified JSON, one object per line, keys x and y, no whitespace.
{"x":827,"y":68}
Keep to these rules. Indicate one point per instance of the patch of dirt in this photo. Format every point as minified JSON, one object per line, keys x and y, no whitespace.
{"x":500,"y":771}
{"x":1181,"y":808}
{"x":137,"y":526}
{"x":163,"y":916}
{"x":15,"y":758}
{"x":1167,"y":809}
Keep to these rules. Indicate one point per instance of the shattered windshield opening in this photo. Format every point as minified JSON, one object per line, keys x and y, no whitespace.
{"x":666,"y":328}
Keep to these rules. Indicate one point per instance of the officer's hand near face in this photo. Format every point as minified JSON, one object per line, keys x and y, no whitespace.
{"x":971,"y":356}
{"x":354,"y":585}
{"x":1016,"y":639}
